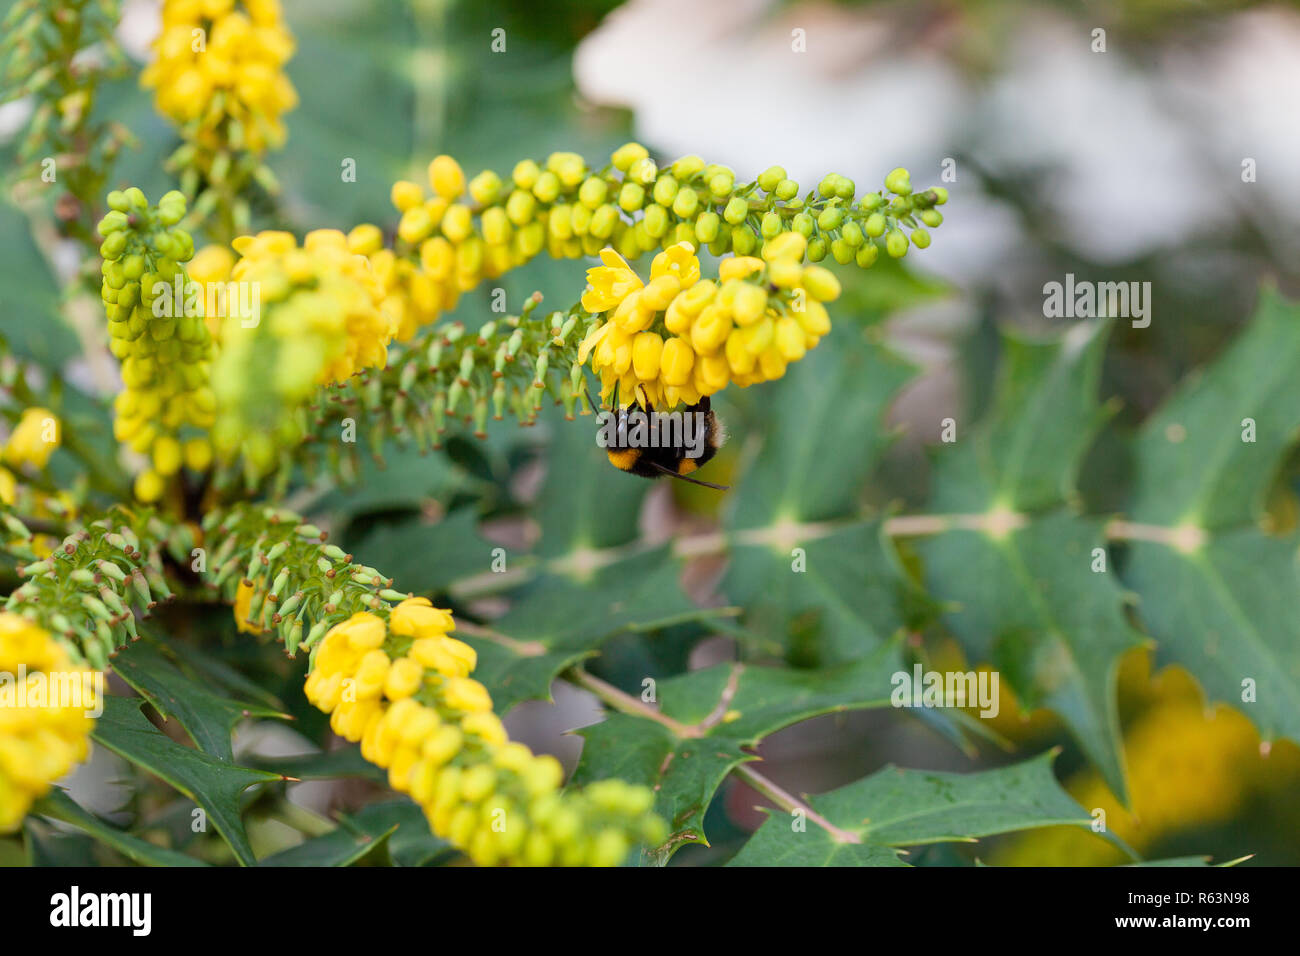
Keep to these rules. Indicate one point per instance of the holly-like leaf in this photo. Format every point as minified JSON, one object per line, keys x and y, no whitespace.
{"x":426,"y":558}
{"x":1215,"y":591}
{"x":208,"y":718}
{"x":560,"y":620}
{"x":327,"y":765}
{"x":824,"y":435}
{"x":356,"y":837}
{"x":1207,"y":456}
{"x":1018,"y":561}
{"x":213,"y":785}
{"x":585,"y":503}
{"x":839,"y":599}
{"x":895,"y":808}
{"x":713,"y":717}
{"x":57,"y":805}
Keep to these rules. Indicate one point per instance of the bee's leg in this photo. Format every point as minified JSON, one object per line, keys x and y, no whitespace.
{"x":695,"y":481}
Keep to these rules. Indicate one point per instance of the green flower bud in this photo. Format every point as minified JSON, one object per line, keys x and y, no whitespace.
{"x":706,"y":226}
{"x":867,"y":255}
{"x":685,"y":204}
{"x":117,"y":201}
{"x":112,"y":222}
{"x":113,"y":246}
{"x":631,"y":197}
{"x":603,"y":221}
{"x":580,"y":216}
{"x":687,"y":166}
{"x":627,"y":154}
{"x":896,"y":244}
{"x":770,"y":178}
{"x":920,"y":238}
{"x":803,"y":224}
{"x":592,"y":192}
{"x":875,"y":225}
{"x":932,"y":218}
{"x":656,"y":220}
{"x":830,"y":218}
{"x":526,"y":174}
{"x":829,"y":185}
{"x":940,"y":195}
{"x":485,"y":187}
{"x":771,"y":226}
{"x":899,"y":182}
{"x":643,"y":171}
{"x":852,"y":234}
{"x":718,"y":246}
{"x":547,"y":187}
{"x":736,"y":212}
{"x":871,"y":201}
{"x":665,"y":190}
{"x":817,"y":249}
{"x":787,"y":189}
{"x":721,"y":184}
{"x":521,"y":206}
{"x":842,"y":252}
{"x":844,"y":188}
{"x":743,"y":241}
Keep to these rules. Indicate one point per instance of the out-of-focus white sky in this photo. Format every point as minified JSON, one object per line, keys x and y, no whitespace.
{"x":1144,"y":145}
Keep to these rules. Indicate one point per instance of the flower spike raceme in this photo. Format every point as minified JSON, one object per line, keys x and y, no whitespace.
{"x":461,"y":230}
{"x":402,"y":688}
{"x":218,"y":74}
{"x":156,"y":328}
{"x":385,"y":668}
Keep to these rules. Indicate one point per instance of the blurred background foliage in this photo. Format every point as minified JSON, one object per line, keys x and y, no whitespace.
{"x":1126,"y":166}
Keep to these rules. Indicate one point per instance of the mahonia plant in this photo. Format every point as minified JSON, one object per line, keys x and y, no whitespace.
{"x":222,"y":393}
{"x":247,"y":355}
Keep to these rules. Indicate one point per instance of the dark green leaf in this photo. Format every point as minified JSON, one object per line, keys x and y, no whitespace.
{"x":714,"y":716}
{"x":1026,"y":597}
{"x":57,"y":805}
{"x":1215,"y":591}
{"x":213,"y":785}
{"x":561,"y":620}
{"x":823,"y":437}
{"x":897,"y":808}
{"x":208,"y":718}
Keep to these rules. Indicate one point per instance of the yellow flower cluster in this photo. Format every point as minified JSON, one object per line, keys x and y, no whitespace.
{"x":220,"y":64}
{"x":1190,"y":767}
{"x":679,"y":338}
{"x":411,"y":296}
{"x":44,"y":719}
{"x":156,"y":330}
{"x":402,"y":688}
{"x":32,"y":441}
{"x":316,"y":320}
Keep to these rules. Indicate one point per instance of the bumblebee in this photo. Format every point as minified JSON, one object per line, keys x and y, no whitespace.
{"x":642,"y":442}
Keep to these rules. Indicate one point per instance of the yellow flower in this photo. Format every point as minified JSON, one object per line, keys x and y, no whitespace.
{"x":678,"y":261}
{"x":34,"y":438}
{"x":45,"y":722}
{"x":464,"y":693}
{"x":231,"y":86}
{"x":243,"y":604}
{"x":418,"y":618}
{"x":681,"y":338}
{"x":319,"y":319}
{"x":437,"y":737}
{"x":610,"y":284}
